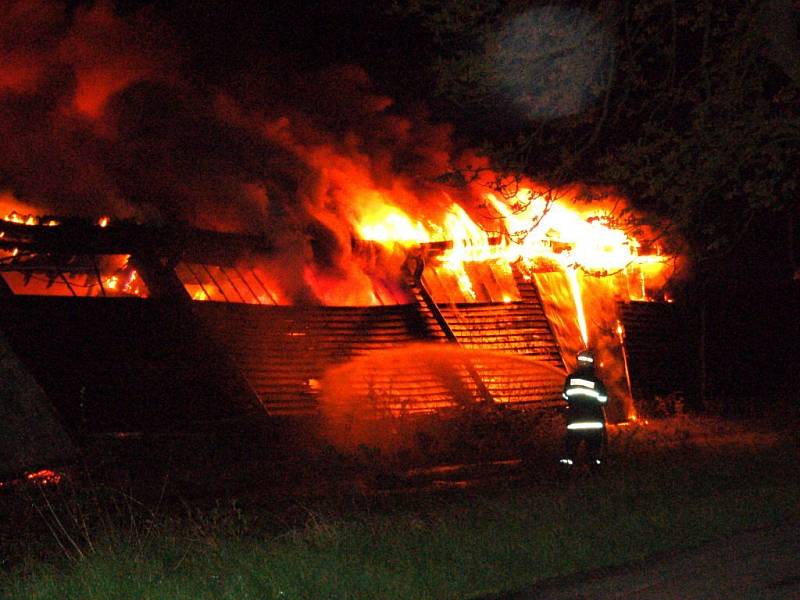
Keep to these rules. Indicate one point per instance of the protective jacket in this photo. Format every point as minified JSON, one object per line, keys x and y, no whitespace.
{"x":586,"y":398}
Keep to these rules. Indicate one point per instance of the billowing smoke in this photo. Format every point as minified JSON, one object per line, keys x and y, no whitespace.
{"x":58,"y":81}
{"x":109,"y":114}
{"x":120,"y":115}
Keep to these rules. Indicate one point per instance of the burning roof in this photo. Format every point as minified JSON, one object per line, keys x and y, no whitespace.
{"x":102,"y":115}
{"x":480,"y":291}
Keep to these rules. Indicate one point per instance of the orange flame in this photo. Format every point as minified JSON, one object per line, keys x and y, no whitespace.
{"x":110,"y":275}
{"x":533,"y":228}
{"x":44,"y":477}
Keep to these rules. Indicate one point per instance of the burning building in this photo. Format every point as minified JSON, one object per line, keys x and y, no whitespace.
{"x":114,"y":327}
{"x":278,"y":244}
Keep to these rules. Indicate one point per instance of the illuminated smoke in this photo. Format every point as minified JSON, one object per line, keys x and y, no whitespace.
{"x":101,"y":115}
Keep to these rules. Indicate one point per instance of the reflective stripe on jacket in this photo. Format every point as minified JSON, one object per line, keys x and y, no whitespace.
{"x":586,"y":397}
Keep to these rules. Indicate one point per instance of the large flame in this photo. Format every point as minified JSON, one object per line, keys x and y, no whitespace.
{"x":538,"y":231}
{"x":582,"y":259}
{"x":317,"y":162}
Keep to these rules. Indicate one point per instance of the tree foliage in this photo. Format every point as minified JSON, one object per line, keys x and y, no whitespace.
{"x":692,"y":109}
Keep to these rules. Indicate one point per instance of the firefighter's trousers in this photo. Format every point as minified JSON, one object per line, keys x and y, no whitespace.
{"x":594,"y":444}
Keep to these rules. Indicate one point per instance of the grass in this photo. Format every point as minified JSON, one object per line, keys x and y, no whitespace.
{"x":670,"y":486}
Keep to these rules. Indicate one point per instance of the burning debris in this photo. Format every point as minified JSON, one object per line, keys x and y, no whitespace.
{"x":42,"y":477}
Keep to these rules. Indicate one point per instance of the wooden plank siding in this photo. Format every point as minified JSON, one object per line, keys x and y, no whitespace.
{"x":124,"y":364}
{"x":284,"y":352}
{"x":656,"y":344}
{"x":130,"y":364}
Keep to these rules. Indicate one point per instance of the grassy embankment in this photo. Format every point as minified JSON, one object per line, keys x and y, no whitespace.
{"x":666,"y":488}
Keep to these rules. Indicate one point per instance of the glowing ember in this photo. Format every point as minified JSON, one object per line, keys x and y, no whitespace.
{"x":100,"y":276}
{"x":44,"y":477}
{"x":15,"y":217}
{"x":125,"y":281}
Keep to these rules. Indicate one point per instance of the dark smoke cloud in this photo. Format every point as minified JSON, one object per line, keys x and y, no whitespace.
{"x":103,"y":113}
{"x":138,"y":116}
{"x":59,"y":71}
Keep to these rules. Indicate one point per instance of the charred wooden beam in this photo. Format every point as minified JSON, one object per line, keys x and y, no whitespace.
{"x":415,"y":265}
{"x":173,"y":242}
{"x":159,"y":275}
{"x":5,"y":290}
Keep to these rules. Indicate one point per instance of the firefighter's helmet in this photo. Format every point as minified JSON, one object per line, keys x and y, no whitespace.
{"x":586,"y":359}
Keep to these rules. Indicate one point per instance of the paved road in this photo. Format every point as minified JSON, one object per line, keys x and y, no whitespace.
{"x":752,"y":565}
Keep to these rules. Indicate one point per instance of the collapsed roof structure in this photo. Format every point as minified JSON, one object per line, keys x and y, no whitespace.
{"x":117,"y":327}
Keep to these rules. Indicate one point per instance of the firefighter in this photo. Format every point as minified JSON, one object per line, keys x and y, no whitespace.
{"x":586,"y":398}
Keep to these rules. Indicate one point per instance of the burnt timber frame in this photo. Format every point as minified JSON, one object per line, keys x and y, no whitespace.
{"x":156,"y":251}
